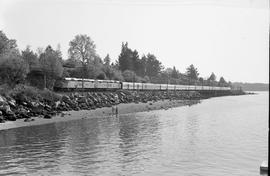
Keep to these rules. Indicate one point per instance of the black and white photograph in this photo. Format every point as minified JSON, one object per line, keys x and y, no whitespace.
{"x":134,"y":87}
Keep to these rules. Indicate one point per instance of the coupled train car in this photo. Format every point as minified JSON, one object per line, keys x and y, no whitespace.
{"x":70,"y":84}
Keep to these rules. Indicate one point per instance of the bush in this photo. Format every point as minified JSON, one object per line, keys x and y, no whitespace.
{"x":146,"y":79}
{"x":139,"y":79}
{"x":129,"y":76}
{"x":49,"y":95}
{"x":4,"y":89}
{"x":13,"y":69}
{"x":28,"y":91}
{"x":117,"y":75}
{"x":101,"y":75}
{"x":31,"y":93}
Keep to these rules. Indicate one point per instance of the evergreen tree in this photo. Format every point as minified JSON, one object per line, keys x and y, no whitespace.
{"x":222,"y":81}
{"x":128,"y":59}
{"x":175,"y":73}
{"x":107,"y":60}
{"x":212,"y":77}
{"x":192,"y":72}
{"x":30,"y":57}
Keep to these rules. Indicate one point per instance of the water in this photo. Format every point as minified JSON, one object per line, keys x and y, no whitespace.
{"x":220,"y":136}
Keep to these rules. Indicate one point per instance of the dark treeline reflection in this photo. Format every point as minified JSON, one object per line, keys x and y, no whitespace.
{"x":88,"y":145}
{"x":31,"y":148}
{"x":217,"y":137}
{"x":138,"y":137}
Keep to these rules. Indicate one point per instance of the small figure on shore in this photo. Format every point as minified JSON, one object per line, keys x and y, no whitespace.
{"x":116,"y":110}
{"x":113,"y":109}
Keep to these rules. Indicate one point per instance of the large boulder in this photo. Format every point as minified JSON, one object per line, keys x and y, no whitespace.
{"x":82,"y":99}
{"x":20,"y":98}
{"x":11,"y":102}
{"x":2,"y":100}
{"x":2,"y":120}
{"x":66,"y":99}
{"x":21,"y":112}
{"x":46,"y":116}
{"x":5,"y":108}
{"x":57,"y":104}
{"x":28,"y":120}
{"x":48,"y":107}
{"x":10,"y":116}
{"x":34,"y":104}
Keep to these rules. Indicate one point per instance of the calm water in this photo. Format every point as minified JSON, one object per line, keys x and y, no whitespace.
{"x":220,"y":136}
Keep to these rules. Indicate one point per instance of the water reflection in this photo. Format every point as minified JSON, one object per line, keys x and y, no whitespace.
{"x":139,"y":138}
{"x":26,"y":150}
{"x":217,"y":137}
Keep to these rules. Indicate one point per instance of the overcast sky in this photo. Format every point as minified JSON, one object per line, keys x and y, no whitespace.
{"x":227,"y":37}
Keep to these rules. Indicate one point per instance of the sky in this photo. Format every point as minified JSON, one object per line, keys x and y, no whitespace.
{"x":227,"y":37}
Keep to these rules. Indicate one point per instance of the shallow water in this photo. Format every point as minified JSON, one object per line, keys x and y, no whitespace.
{"x":220,"y":136}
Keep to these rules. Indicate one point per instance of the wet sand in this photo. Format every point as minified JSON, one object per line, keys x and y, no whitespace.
{"x":100,"y":112}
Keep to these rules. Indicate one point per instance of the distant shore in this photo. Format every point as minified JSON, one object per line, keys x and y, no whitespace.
{"x":108,"y":112}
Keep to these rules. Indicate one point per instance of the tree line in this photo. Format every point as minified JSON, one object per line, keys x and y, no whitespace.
{"x":46,"y":67}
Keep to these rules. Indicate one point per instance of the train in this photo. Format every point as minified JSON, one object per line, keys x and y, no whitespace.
{"x":71,"y":84}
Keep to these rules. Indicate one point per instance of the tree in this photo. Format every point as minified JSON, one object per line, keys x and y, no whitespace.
{"x":168,"y":71}
{"x":129,"y":76}
{"x":128,"y":59}
{"x":58,"y":51}
{"x":146,"y":79}
{"x":201,"y":80}
{"x":230,"y":84}
{"x":222,"y":81}
{"x":192,"y":72}
{"x":117,"y":75}
{"x":107,"y":60}
{"x":101,"y":76}
{"x":30,"y":57}
{"x":13,"y":69}
{"x":6,"y":44}
{"x":175,"y":73}
{"x":51,"y":66}
{"x":39,"y":51}
{"x":82,"y":48}
{"x":212,"y":77}
{"x":71,"y":63}
{"x":152,"y":67}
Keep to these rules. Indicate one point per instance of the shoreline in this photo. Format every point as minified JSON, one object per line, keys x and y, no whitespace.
{"x":123,"y":108}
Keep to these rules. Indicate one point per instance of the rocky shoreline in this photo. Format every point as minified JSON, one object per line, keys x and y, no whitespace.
{"x":104,"y":112}
{"x":28,"y":107}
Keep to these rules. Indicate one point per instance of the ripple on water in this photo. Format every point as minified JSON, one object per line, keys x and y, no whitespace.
{"x":220,"y":136}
